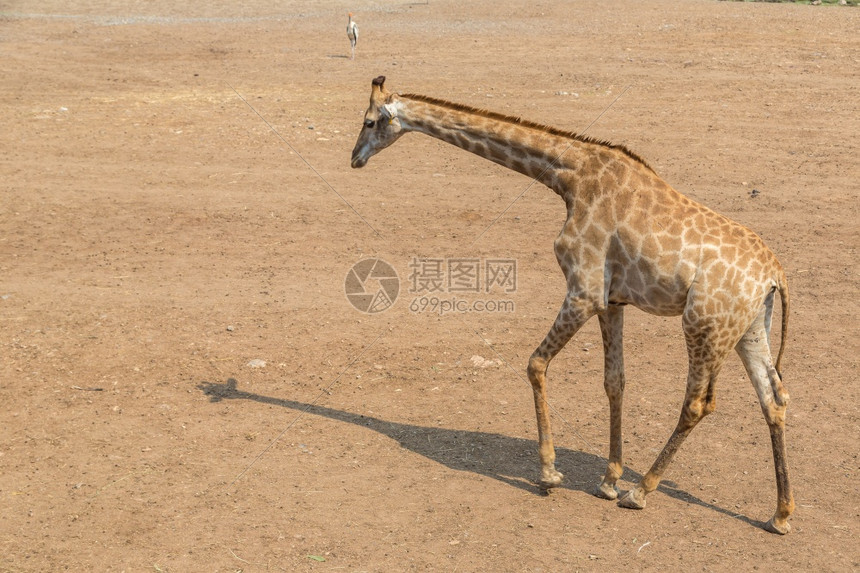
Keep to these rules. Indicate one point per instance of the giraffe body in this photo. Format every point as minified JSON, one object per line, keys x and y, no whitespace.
{"x":629,"y":238}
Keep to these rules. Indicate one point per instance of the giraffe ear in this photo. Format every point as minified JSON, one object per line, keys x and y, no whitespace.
{"x":388,"y":111}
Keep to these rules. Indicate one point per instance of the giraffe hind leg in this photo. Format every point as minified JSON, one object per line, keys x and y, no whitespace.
{"x":707,"y":348}
{"x":755,"y":353}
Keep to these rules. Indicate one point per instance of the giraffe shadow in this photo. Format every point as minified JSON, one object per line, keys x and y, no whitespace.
{"x":509,"y":460}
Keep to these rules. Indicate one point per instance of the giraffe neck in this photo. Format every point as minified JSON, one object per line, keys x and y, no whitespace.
{"x":553,"y":157}
{"x":501,"y":140}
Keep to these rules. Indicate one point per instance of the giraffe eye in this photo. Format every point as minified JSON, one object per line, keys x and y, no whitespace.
{"x":369,"y":123}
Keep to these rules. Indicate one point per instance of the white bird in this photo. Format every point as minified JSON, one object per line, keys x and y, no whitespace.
{"x":352,"y":34}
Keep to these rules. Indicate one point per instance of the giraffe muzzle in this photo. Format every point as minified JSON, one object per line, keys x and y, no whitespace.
{"x":357,"y":160}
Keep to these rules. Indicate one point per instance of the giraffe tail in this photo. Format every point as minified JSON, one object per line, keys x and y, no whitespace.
{"x":782,"y":286}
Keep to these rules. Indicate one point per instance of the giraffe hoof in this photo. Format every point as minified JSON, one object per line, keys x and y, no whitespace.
{"x":550,"y":479}
{"x":780,"y":528}
{"x":633,"y":499}
{"x":606,"y":491}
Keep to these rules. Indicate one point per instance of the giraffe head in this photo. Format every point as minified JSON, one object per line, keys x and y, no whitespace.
{"x":381,"y":125}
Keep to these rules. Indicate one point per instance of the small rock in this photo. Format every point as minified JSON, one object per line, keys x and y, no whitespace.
{"x":230,"y":328}
{"x":256,"y":363}
{"x":754,"y":193}
{"x":481,"y":362}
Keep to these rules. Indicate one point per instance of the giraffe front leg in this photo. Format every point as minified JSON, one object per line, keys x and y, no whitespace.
{"x":549,"y":476}
{"x":570,"y":318}
{"x":611,"y":328}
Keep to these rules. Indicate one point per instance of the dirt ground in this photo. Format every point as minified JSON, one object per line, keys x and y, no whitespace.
{"x":186,"y":386}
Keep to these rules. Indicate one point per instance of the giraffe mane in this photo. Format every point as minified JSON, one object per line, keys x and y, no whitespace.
{"x":526,"y":123}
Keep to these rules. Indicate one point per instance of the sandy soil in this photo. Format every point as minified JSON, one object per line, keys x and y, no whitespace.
{"x":176,"y":202}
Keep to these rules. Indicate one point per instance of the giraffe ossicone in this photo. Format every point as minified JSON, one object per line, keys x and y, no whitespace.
{"x":629,"y":238}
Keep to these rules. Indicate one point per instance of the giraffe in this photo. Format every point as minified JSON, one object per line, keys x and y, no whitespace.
{"x":629,"y":238}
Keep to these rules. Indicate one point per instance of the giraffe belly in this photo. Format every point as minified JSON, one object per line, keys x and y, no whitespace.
{"x":661,"y":297}
{"x":667,"y":308}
